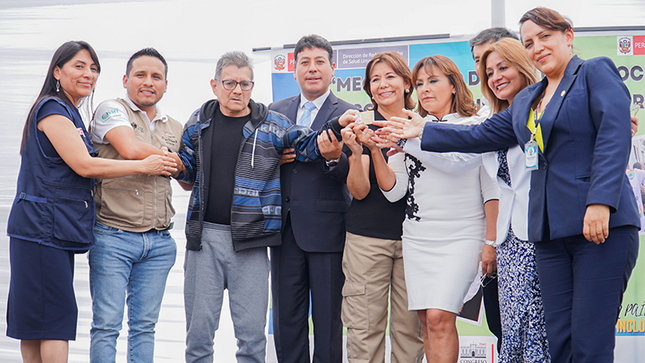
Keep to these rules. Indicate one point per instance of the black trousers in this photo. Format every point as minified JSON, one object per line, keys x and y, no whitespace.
{"x":491,"y":306}
{"x":299,"y":278}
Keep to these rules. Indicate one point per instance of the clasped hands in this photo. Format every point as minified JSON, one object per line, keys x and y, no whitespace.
{"x":387,"y":136}
{"x":169,"y":161}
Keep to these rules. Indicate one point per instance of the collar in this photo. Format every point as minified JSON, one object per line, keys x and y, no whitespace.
{"x":318,"y":102}
{"x":573,"y":66}
{"x":159,"y":117}
{"x":448,"y":117}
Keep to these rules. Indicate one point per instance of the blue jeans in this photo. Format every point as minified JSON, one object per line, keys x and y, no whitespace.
{"x":133,"y":266}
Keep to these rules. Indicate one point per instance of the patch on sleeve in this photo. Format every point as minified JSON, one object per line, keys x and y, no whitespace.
{"x":107,"y":115}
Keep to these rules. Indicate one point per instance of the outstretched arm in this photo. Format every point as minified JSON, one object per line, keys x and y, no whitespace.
{"x":64,"y":136}
{"x":451,"y":162}
{"x":125,"y":142}
{"x":493,"y":134}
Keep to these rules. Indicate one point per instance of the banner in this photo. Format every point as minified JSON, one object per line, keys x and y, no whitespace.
{"x":628,"y":53}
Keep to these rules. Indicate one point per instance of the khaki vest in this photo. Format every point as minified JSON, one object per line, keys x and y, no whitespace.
{"x":140,"y":202}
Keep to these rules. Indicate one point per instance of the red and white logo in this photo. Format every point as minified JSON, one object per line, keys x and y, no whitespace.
{"x":279,"y":62}
{"x":625,"y":46}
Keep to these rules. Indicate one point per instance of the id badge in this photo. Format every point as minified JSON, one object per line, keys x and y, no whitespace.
{"x":531,"y":155}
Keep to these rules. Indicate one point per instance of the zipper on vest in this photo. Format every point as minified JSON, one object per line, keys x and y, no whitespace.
{"x":154,"y":222}
{"x":76,"y":200}
{"x":136,"y":191}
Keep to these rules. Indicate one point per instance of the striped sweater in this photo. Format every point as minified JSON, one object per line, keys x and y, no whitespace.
{"x":256,"y":208}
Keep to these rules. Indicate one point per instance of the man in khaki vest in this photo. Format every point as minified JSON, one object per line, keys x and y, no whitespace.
{"x":134,"y":250}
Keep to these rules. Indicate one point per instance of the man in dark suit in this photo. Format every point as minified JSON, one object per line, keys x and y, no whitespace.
{"x":314,"y":202}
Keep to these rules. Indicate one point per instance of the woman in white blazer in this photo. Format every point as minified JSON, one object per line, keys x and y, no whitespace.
{"x":505,"y":70}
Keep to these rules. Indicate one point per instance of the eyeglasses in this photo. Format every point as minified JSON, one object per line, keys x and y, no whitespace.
{"x":230,"y":84}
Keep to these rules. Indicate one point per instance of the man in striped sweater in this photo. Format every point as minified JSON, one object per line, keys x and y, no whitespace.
{"x":231,"y":148}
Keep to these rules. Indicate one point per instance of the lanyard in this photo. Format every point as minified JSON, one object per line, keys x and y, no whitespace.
{"x":537,"y":117}
{"x":531,"y":147}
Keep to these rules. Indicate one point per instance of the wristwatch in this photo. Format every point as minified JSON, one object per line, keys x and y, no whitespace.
{"x":332,"y":162}
{"x":491,"y":243}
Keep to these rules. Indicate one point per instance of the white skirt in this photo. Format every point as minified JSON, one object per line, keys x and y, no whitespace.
{"x":438,"y":273}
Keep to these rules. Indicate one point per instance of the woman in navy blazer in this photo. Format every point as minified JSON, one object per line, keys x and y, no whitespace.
{"x":582,"y":214}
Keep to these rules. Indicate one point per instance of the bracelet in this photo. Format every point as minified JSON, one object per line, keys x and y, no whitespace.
{"x":491,"y":243}
{"x":421,"y":133}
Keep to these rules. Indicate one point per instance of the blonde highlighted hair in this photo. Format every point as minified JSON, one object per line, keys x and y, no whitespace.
{"x":512,"y":51}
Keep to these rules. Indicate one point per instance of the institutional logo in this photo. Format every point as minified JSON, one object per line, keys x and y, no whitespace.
{"x":475,"y":351}
{"x":109,"y":113}
{"x":279,"y":62}
{"x":625,"y":46}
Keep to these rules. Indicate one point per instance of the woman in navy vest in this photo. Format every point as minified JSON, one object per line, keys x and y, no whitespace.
{"x":53,"y":212}
{"x":574,"y":127}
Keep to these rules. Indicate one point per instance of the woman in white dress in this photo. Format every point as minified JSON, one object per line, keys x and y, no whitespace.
{"x":445,"y":226}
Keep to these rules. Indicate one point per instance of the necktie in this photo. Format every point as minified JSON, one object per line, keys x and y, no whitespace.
{"x":305,"y":119}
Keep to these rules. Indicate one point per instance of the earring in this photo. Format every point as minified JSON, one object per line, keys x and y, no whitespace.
{"x":57,"y":86}
{"x":407,"y":90}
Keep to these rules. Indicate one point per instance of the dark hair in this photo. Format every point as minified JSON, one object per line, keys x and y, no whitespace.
{"x":146,"y":52}
{"x":462,"y":100}
{"x":547,"y":19}
{"x":395,"y":61}
{"x":61,"y":56}
{"x":490,"y":35}
{"x":313,"y":41}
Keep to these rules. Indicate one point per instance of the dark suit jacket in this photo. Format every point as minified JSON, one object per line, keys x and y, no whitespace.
{"x":587,"y":140}
{"x":316,"y":196}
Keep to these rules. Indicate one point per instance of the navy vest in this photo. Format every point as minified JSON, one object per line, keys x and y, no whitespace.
{"x":53,"y":206}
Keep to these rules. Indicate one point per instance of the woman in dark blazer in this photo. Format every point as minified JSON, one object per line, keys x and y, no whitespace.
{"x":582,"y":214}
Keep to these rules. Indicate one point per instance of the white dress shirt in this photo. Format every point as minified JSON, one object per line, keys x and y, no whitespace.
{"x":318,"y":102}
